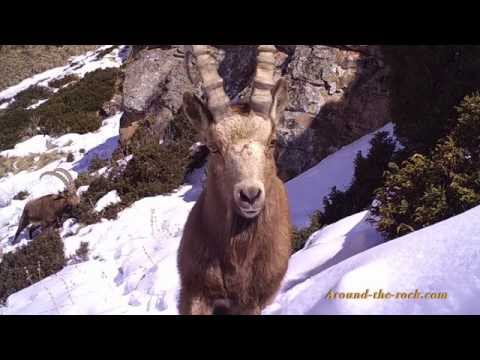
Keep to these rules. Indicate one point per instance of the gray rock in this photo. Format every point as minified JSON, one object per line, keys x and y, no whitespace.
{"x":155,"y":82}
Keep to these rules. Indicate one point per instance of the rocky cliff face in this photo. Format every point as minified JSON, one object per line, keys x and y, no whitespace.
{"x":337,"y":93}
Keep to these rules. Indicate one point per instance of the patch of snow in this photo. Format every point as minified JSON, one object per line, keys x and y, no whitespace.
{"x":133,"y":257}
{"x":37,"y":104}
{"x":82,"y":189}
{"x":69,"y":228}
{"x":35,"y":145}
{"x":6,"y":104}
{"x":109,"y":198}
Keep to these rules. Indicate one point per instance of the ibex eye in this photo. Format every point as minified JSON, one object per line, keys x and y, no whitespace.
{"x":213,"y":149}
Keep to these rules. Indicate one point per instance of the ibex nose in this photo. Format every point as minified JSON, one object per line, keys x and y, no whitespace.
{"x":249,"y":197}
{"x":250,"y":194}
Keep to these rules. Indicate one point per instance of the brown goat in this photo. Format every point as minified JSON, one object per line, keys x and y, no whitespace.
{"x":129,"y":124}
{"x":237,"y":240}
{"x":47,"y":209}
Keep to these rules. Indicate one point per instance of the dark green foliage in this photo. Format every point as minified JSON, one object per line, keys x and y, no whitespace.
{"x":84,"y":179}
{"x":368,"y":176}
{"x":426,"y":83}
{"x":30,"y":96}
{"x":98,"y":187}
{"x":153,"y":170}
{"x":101,"y":54}
{"x":97,"y":163}
{"x":14,"y":123}
{"x":427,"y":189}
{"x":22,"y":195}
{"x":76,"y":107}
{"x":58,"y":83}
{"x":41,"y":257}
{"x":72,"y":109}
{"x":300,"y":236}
{"x":157,"y":168}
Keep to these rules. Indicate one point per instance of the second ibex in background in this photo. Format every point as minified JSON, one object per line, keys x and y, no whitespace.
{"x":237,"y":239}
{"x":47,"y":209}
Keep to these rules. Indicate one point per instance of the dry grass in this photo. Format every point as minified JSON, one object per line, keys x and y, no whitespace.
{"x":18,"y":62}
{"x":16,"y":164}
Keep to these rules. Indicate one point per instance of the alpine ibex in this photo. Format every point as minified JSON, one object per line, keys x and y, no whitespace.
{"x":237,"y":239}
{"x":47,"y":209}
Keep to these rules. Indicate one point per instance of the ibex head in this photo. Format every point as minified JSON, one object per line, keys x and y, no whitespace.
{"x":71,"y":191}
{"x":241,"y":139}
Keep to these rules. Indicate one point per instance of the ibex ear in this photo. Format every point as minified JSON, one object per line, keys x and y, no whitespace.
{"x":196,"y":112}
{"x":280,"y":100}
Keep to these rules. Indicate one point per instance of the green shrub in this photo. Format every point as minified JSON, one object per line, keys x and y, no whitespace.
{"x":300,"y":236}
{"x":30,"y":96}
{"x":58,"y":83}
{"x":426,"y":189}
{"x":97,"y":163}
{"x":368,"y":176}
{"x":76,"y":107}
{"x":154,"y":169}
{"x":101,"y":54}
{"x":41,"y":257}
{"x":72,"y":109}
{"x":14,"y":123}
{"x":426,"y":83}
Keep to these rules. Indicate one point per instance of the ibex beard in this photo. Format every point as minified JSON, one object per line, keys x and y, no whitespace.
{"x":237,"y":240}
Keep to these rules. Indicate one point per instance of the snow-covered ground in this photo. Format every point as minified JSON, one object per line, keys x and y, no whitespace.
{"x":441,"y":259}
{"x":131,"y":267}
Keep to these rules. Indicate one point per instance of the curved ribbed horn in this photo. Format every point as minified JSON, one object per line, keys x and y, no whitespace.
{"x":66,"y":173}
{"x":261,"y":99}
{"x":57,"y":175}
{"x":218,"y":101}
{"x":71,"y":183}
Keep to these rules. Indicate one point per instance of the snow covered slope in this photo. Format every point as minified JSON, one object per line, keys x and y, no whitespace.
{"x":443,"y":258}
{"x":306,"y":191}
{"x":132,"y":260}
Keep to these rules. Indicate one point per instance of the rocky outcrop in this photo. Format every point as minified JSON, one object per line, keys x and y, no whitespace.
{"x":337,"y":93}
{"x":153,"y":88}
